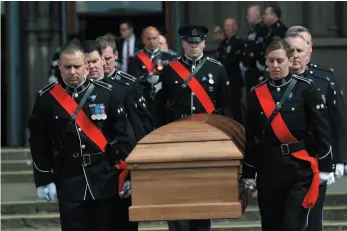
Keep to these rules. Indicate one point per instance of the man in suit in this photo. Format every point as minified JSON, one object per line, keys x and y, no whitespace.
{"x":129,"y":45}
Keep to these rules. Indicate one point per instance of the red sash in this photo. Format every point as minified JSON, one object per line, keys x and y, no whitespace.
{"x":194,"y":85}
{"x":146,"y":61}
{"x":284,"y":135}
{"x":87,"y":126}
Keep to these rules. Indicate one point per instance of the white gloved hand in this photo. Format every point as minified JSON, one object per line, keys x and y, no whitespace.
{"x":250,"y":182}
{"x":327,"y":177}
{"x":127,"y":189}
{"x":48,"y":192}
{"x":339,"y":170}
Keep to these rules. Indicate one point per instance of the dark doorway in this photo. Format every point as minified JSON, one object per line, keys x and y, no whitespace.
{"x":95,"y":25}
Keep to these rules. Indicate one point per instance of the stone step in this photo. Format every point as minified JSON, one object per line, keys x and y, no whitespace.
{"x":334,"y":213}
{"x":51,"y":220}
{"x":335,"y":203}
{"x":15,"y":154}
{"x":21,"y":176}
{"x":16,"y":165}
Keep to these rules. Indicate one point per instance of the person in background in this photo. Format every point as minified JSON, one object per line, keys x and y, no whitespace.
{"x":163,"y":44}
{"x":147,"y":65}
{"x":272,"y":18}
{"x":129,"y":45}
{"x":230,"y":56}
{"x":300,"y":40}
{"x":253,"y":57}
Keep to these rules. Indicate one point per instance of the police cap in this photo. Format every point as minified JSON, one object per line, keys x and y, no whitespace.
{"x":193,"y":33}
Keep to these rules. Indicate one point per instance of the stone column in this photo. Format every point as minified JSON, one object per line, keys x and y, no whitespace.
{"x":44,"y":35}
{"x":32,"y":55}
{"x":56,"y":26}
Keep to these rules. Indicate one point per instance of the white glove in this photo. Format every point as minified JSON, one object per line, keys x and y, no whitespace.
{"x":127,"y":189}
{"x":339,"y":170}
{"x":250,"y":182}
{"x":48,"y":192}
{"x":327,"y":177}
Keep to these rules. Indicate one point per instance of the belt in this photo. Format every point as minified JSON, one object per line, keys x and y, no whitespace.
{"x":88,"y":159}
{"x":286,"y":149}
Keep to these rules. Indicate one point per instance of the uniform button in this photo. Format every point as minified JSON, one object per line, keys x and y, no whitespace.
{"x":278,"y":103}
{"x":76,"y":95}
{"x":261,"y":113}
{"x":79,"y":129}
{"x":76,"y":154}
{"x":193,"y":108}
{"x":293,"y":109}
{"x":311,"y":72}
{"x":193,"y":93}
{"x":56,"y":117}
{"x":83,"y":146}
{"x":278,"y":89}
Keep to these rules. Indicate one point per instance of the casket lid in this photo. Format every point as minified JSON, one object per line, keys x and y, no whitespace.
{"x":199,"y":137}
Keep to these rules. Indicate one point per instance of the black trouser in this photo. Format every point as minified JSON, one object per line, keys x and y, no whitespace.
{"x":94,"y":215}
{"x":190,"y":225}
{"x":282,"y":183}
{"x":315,"y":218}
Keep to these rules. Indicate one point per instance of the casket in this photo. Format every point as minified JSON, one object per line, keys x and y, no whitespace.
{"x":188,"y":169}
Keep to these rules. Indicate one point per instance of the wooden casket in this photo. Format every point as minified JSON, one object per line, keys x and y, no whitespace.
{"x":188,"y":169}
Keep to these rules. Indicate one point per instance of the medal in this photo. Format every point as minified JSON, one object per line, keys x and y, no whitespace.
{"x":210,"y":81}
{"x":159,"y":65}
{"x":98,"y":116}
{"x":92,"y":111}
{"x":103,"y":116}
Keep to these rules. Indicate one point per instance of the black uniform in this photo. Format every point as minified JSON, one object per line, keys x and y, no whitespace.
{"x":175,"y":102}
{"x":62,"y":153}
{"x":128,"y":89}
{"x":149,"y":78}
{"x":331,"y":93}
{"x":230,"y":54}
{"x":253,"y":55}
{"x":278,"y":29}
{"x":282,"y":179}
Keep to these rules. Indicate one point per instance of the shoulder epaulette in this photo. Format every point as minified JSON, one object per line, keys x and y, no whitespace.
{"x":320,"y":76}
{"x":123,"y":78}
{"x":126,"y":76}
{"x":47,"y":88}
{"x":321,"y":68}
{"x":102,"y":84}
{"x":214,"y":61}
{"x":254,"y":87}
{"x":309,"y":81}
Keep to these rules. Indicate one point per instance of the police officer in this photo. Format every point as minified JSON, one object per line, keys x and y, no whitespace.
{"x":229,"y":54}
{"x":253,"y":55}
{"x":101,"y":54}
{"x":272,"y":18}
{"x":147,"y":64}
{"x":122,"y":79}
{"x":332,"y":95}
{"x":286,"y":129}
{"x":178,"y":97}
{"x":77,"y":134}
